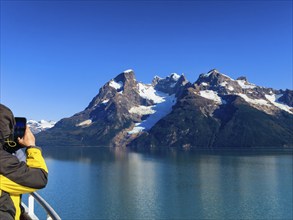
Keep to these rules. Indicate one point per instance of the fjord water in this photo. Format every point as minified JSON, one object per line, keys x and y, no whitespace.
{"x":110,"y":183}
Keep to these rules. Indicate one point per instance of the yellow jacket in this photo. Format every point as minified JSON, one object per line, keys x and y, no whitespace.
{"x":18,"y":178}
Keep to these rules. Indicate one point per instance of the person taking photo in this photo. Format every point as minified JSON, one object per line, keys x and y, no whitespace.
{"x":18,"y":177}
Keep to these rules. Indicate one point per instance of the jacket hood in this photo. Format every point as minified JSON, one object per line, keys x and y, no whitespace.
{"x":7,"y":122}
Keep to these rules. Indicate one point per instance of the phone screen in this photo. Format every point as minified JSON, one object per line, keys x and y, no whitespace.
{"x":19,"y":128}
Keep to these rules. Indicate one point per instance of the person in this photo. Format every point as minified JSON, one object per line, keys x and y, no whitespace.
{"x":18,"y":177}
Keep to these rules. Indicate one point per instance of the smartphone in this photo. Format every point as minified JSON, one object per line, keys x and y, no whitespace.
{"x":19,"y":128}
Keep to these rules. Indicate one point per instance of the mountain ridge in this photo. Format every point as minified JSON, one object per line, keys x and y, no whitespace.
{"x":215,"y":111}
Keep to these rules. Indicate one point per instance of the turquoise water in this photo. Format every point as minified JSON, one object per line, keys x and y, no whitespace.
{"x":103,"y":183}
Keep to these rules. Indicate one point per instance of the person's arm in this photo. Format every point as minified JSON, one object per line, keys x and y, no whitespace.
{"x":34,"y":157}
{"x":19,"y":177}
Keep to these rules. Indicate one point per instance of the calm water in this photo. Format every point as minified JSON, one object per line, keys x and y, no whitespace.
{"x":103,"y":183}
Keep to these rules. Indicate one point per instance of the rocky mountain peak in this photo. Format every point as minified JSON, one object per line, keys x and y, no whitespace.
{"x":124,"y":83}
{"x":125,"y":76}
{"x":124,"y":80}
{"x":213,"y":71}
{"x":174,"y":76}
{"x":213,"y":77}
{"x":170,"y":84}
{"x":216,"y":81}
{"x":243,"y":78}
{"x":182,"y":80}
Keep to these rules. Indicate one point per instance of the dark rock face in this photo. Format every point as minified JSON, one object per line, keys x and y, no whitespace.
{"x":242,"y":78}
{"x":171,"y":84}
{"x":216,"y":81}
{"x":186,"y":126}
{"x":233,"y":125}
{"x":214,"y":112}
{"x":287,"y":97}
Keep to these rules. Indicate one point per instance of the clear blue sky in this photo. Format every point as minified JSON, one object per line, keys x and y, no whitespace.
{"x":55,"y":55}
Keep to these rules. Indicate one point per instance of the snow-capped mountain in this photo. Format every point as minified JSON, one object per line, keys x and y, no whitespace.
{"x":220,"y":112}
{"x":215,"y":111}
{"x":38,"y":126}
{"x":216,"y":86}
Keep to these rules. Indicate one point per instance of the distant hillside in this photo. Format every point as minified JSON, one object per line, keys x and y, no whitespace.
{"x":38,"y":126}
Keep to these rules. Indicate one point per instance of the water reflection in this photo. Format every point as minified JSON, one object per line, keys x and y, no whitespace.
{"x":110,"y":183}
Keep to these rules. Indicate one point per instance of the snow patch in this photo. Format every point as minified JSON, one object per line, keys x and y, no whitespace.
{"x":273,"y":99}
{"x":105,"y":101}
{"x":148,"y":92}
{"x":253,"y":101}
{"x":47,"y":124}
{"x":175,"y":76}
{"x":160,"y":110}
{"x":128,"y":71}
{"x":204,"y":84}
{"x":223,"y":83}
{"x":245,"y":85}
{"x":142,"y":110}
{"x":226,"y":85}
{"x":136,"y":129}
{"x":42,"y":123}
{"x":84,"y":123}
{"x":38,"y":126}
{"x":212,"y":95}
{"x":230,"y":88}
{"x":116,"y":85}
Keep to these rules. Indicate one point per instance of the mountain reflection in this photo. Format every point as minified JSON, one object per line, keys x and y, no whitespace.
{"x":115,"y":183}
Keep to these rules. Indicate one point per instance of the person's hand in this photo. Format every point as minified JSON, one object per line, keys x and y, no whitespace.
{"x":28,"y":139}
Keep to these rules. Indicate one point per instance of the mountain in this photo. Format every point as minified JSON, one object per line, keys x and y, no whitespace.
{"x":214,"y":112}
{"x":114,"y":115}
{"x":38,"y":126}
